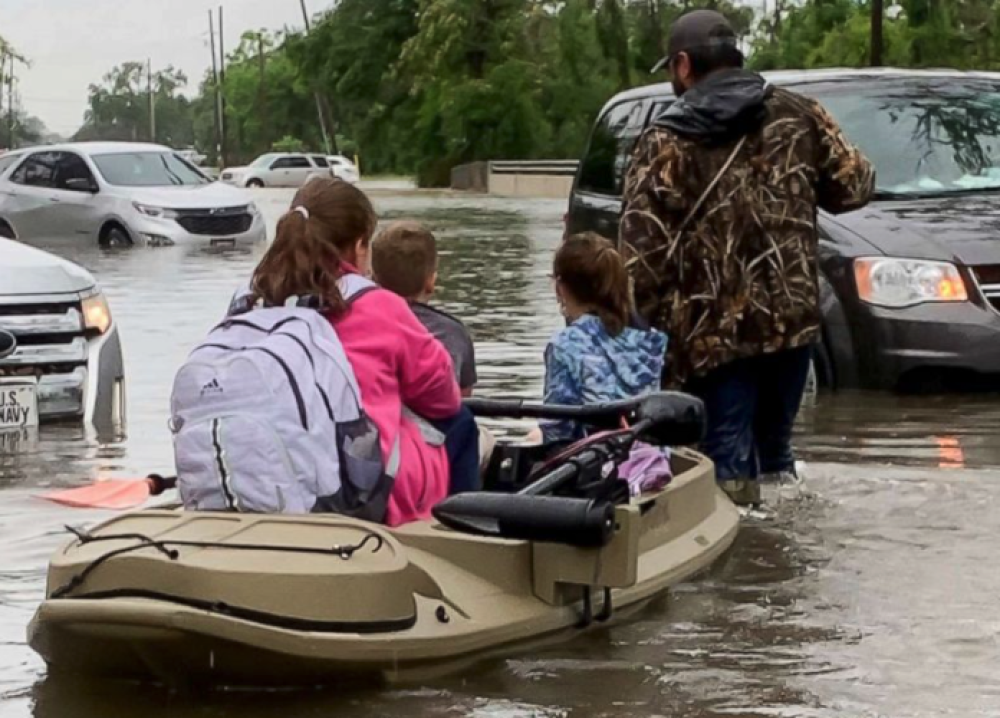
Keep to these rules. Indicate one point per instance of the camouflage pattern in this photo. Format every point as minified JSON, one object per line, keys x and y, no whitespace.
{"x":586,"y":365}
{"x":741,"y":278}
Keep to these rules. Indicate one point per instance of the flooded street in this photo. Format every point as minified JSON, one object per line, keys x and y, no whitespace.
{"x":875,"y":597}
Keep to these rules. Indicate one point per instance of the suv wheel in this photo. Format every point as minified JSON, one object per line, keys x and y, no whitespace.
{"x":255,"y":183}
{"x":115,"y":237}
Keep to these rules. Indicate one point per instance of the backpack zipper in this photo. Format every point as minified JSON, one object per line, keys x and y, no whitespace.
{"x":225,"y":478}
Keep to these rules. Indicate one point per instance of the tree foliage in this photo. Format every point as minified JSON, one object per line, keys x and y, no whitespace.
{"x":120,"y":108}
{"x":418,"y":86}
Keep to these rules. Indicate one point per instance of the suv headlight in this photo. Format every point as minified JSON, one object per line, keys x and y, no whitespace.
{"x":157,"y":212}
{"x":96,"y":314}
{"x":253,"y":209}
{"x":890,"y":282}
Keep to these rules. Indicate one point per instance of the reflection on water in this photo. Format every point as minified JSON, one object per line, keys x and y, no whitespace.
{"x":872,"y":597}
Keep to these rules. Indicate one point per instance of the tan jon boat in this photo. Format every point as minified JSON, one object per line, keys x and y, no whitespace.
{"x":238,"y":599}
{"x":428,"y":597}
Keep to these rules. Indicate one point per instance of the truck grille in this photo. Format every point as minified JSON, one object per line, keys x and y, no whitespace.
{"x":51,"y":347}
{"x":219,"y":222}
{"x":988,"y":278}
{"x":49,"y":337}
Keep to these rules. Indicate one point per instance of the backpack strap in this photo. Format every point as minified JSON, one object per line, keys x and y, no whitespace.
{"x":352,"y":287}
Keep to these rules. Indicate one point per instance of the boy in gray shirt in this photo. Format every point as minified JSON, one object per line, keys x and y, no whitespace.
{"x":404,"y":260}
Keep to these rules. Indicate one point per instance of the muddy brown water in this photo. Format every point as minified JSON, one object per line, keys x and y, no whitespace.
{"x":876,"y":597}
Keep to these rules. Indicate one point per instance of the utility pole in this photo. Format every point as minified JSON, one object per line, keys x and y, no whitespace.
{"x":152,"y":100}
{"x":215,"y":87}
{"x":321,"y":103}
{"x":10,"y":103}
{"x":222,"y":92}
{"x":3,"y":70}
{"x":876,"y":49}
{"x":262,"y":96}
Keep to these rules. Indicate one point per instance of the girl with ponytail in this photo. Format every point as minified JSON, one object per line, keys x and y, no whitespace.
{"x":599,"y":357}
{"x":401,"y":370}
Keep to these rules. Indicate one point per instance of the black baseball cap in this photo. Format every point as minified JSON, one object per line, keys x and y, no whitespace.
{"x":696,"y":30}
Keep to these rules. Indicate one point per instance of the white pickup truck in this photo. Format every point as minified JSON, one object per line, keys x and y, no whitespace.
{"x":62,"y":357}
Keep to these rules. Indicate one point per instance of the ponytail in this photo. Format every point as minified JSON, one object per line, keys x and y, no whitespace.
{"x":592,"y":271}
{"x":328,"y":218}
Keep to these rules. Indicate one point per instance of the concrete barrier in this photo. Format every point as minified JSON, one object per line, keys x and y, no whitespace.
{"x":473,"y":177}
{"x":530,"y":178}
{"x":549,"y":178}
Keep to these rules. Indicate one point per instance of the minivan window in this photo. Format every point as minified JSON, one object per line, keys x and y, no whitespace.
{"x":610,"y":149}
{"x":925,"y":136}
{"x":147,"y":169}
{"x":320,"y":161}
{"x":39,"y":170}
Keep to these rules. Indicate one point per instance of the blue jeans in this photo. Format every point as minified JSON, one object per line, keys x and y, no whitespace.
{"x":751,"y":406}
{"x":461,"y":443}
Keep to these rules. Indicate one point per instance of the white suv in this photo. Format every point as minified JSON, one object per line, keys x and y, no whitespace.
{"x":62,"y":358}
{"x":120,"y":194}
{"x":278,"y":170}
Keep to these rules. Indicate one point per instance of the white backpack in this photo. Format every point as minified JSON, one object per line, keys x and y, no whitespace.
{"x":267,"y":417}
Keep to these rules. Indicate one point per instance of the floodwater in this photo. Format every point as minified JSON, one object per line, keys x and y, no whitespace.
{"x":875,"y":597}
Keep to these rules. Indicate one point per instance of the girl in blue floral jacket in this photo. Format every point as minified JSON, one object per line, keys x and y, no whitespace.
{"x":600,"y":356}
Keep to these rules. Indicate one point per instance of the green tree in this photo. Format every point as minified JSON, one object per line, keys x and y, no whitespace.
{"x":353,"y":51}
{"x":418,"y":86}
{"x":119,"y":108}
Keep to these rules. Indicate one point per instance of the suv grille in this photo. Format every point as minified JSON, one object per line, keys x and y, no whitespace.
{"x":221,"y":222}
{"x":52,"y":348}
{"x":50,"y":338}
{"x":988,"y":277}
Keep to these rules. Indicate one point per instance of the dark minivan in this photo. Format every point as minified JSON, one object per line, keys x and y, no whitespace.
{"x":910,"y":285}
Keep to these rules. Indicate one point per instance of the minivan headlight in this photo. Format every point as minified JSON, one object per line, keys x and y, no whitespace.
{"x":895,"y":283}
{"x":157,"y":212}
{"x":96,"y":314}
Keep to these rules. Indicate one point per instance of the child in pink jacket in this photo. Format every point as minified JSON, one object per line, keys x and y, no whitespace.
{"x":401,"y":369}
{"x":399,"y":363}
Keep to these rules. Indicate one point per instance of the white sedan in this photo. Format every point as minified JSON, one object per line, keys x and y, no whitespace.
{"x":278,"y":170}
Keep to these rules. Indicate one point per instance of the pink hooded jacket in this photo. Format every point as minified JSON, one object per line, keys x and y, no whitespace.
{"x":399,"y":363}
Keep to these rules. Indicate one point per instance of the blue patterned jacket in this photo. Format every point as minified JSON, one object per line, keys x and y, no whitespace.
{"x":586,"y":365}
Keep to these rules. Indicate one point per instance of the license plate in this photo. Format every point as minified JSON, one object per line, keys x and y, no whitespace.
{"x":13,"y":441}
{"x":18,"y":404}
{"x":222,"y":242}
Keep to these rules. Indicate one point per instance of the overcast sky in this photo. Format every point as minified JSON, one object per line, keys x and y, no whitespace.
{"x":73,"y":43}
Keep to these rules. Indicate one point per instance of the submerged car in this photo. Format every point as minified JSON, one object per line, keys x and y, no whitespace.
{"x":65,"y":362}
{"x":278,"y":170}
{"x":120,"y":194}
{"x":910,"y":285}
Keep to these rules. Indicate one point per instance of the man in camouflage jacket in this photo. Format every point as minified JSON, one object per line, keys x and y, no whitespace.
{"x":719,"y":230}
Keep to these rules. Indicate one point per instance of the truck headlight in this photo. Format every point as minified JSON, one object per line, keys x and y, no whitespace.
{"x":157,"y":212}
{"x":96,"y":314}
{"x":892,"y":282}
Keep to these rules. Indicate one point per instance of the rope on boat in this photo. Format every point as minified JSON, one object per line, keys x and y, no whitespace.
{"x":345,"y":552}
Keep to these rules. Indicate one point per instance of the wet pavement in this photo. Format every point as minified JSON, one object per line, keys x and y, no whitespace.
{"x":877,"y":596}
